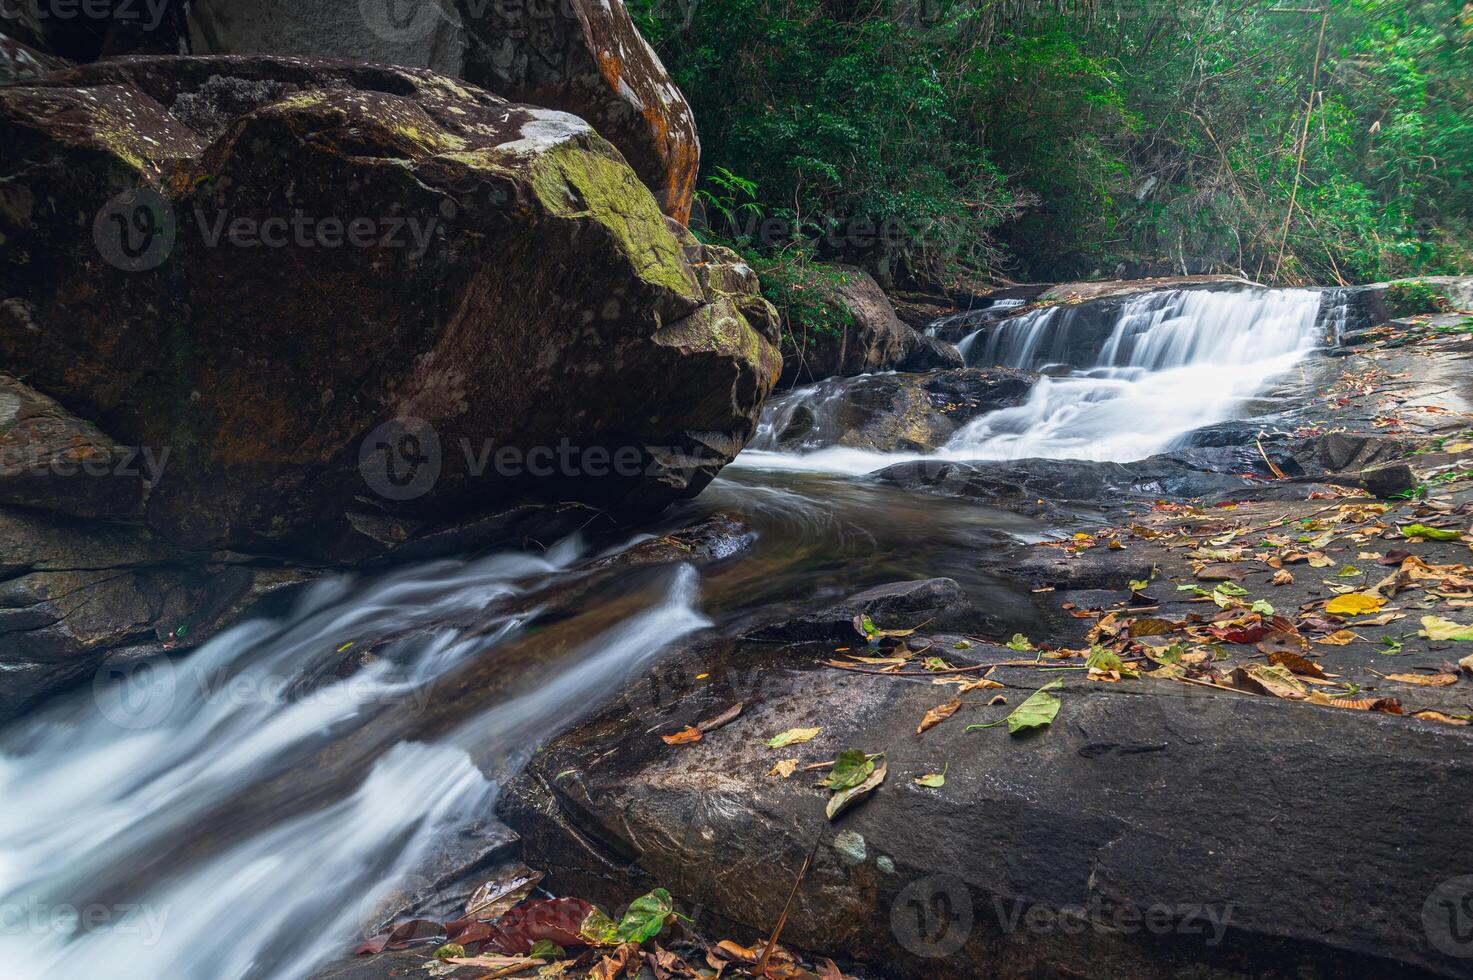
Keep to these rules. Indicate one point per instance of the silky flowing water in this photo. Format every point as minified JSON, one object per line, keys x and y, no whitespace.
{"x":1175,"y":361}
{"x":241,"y":811}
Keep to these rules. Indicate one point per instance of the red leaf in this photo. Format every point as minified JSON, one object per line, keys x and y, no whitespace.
{"x":555,"y":919}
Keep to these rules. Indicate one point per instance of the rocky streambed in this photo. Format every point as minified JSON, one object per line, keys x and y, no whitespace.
{"x":339,"y":580}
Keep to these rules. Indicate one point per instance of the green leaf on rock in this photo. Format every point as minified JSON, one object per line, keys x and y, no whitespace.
{"x":448,"y":950}
{"x":646,"y":916}
{"x":1020,"y":643}
{"x":841,"y":801}
{"x":1039,"y":710}
{"x":851,"y":767}
{"x":598,"y":929}
{"x":1430,"y":533}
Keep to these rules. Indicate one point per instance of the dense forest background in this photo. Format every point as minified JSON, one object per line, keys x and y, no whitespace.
{"x":951,"y":143}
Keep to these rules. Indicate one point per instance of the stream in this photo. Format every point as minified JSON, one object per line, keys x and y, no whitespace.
{"x":233,"y":813}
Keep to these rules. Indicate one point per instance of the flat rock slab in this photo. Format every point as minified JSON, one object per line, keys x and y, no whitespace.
{"x":1145,"y":832}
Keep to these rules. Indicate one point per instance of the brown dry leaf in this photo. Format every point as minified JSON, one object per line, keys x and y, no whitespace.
{"x":1430,"y":715}
{"x":783,"y":768}
{"x":1151,"y":626}
{"x":1296,"y":664}
{"x":497,"y":897}
{"x":1282,"y":577}
{"x":1282,"y":641}
{"x":980,"y":684}
{"x":1219,"y":571}
{"x":1424,"y":680}
{"x":617,"y":962}
{"x":997,"y":699}
{"x":1275,"y":680}
{"x":830,"y":971}
{"x":725,"y":718}
{"x":733,"y":952}
{"x":1318,"y":559}
{"x":686,"y":736}
{"x":938,"y":714}
{"x":1339,"y":638}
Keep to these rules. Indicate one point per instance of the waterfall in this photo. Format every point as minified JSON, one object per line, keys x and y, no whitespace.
{"x":1118,"y":386}
{"x":235,"y":814}
{"x":1174,"y":361}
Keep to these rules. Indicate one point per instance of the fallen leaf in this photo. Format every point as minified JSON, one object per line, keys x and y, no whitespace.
{"x":938,"y":714}
{"x":932,"y":780}
{"x":1354,"y":604}
{"x":1437,"y":628}
{"x":783,"y":768}
{"x":792,"y":736}
{"x":725,"y":718}
{"x":1275,"y":680}
{"x":1040,"y":709}
{"x":685,"y":736}
{"x":1430,"y":533}
{"x":1430,"y":715}
{"x":1150,"y":626}
{"x":495,"y":898}
{"x":1282,"y":577}
{"x":646,"y":916}
{"x":1295,"y":664}
{"x":1424,"y":680}
{"x":851,"y":767}
{"x":841,"y":801}
{"x":1339,"y":638}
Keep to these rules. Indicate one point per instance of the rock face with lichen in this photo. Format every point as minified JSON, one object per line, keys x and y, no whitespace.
{"x":356,"y":303}
{"x":580,"y":56}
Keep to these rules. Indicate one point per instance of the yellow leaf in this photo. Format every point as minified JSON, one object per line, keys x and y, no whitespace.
{"x":792,"y":737}
{"x":783,"y":768}
{"x":1354,"y":604}
{"x":1437,"y":628}
{"x":1430,"y":715}
{"x":1339,"y":638}
{"x":1424,"y":680}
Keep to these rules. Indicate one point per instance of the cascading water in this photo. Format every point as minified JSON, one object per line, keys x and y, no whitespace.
{"x":1170,"y":362}
{"x":233,"y":814}
{"x":1174,"y":362}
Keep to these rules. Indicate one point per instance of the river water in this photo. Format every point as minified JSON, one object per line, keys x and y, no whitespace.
{"x":235,"y":812}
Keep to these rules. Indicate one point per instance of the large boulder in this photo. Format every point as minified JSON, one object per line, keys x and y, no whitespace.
{"x":580,"y":56}
{"x":351,"y":300}
{"x":888,"y":412}
{"x":859,"y":331}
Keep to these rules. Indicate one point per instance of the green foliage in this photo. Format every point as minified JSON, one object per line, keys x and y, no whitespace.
{"x":1415,"y":296}
{"x":804,"y":292}
{"x":1048,"y":140}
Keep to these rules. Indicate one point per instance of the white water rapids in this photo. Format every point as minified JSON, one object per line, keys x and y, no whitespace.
{"x":1175,"y":361}
{"x":104,"y":870}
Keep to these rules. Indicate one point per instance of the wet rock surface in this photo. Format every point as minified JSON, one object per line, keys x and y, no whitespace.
{"x":889,"y":412}
{"x":869,"y":337}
